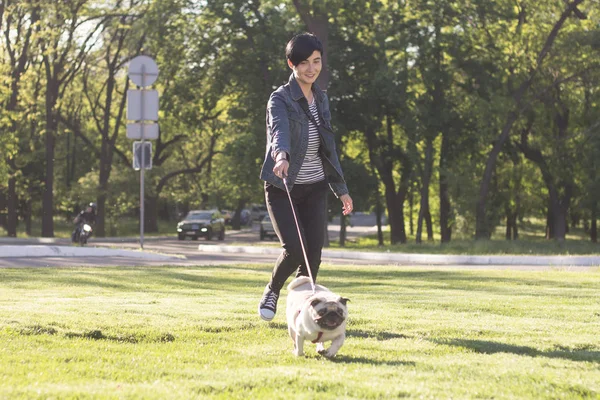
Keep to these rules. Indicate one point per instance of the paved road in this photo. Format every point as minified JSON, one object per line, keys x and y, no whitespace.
{"x":170,"y":245}
{"x":245,"y":247}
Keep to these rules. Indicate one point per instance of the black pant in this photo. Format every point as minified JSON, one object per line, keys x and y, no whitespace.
{"x":310,"y":203}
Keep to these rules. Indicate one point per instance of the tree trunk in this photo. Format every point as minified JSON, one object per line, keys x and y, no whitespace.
{"x":482,"y":223}
{"x":50,"y":137}
{"x":378,"y":214}
{"x":429,"y":225}
{"x":384,"y":166}
{"x":594,"y":228}
{"x":28,"y":212}
{"x":559,"y":215}
{"x":445,"y":206}
{"x":424,"y":206}
{"x":508,"y":232}
{"x":516,"y":214}
{"x":102,"y":194}
{"x":411,"y":210}
{"x":549,"y":224}
{"x":394,"y":204}
{"x":236,"y":224}
{"x":424,"y":216}
{"x":11,"y":220}
{"x":151,"y":211}
{"x":512,"y":230}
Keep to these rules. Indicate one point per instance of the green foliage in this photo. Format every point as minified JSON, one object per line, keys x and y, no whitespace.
{"x":403,"y":75}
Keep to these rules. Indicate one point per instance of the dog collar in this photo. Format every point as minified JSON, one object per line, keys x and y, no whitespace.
{"x":319,"y":335}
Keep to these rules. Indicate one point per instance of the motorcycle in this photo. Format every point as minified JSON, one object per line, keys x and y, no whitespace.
{"x":85,"y":231}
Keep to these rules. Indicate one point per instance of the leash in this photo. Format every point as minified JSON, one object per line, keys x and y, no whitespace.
{"x":312,"y":281}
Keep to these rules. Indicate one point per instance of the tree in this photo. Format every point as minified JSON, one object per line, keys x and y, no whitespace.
{"x":483,"y":229}
{"x":19,"y":22}
{"x":65,"y":39}
{"x":104,"y":87}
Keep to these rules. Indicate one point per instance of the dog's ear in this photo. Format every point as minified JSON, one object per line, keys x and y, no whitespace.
{"x":315,"y":302}
{"x":344,"y":300}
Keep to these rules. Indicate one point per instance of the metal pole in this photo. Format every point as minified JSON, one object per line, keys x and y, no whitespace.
{"x":142,"y":162}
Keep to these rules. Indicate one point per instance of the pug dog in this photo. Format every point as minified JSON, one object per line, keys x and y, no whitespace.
{"x":319,"y":317}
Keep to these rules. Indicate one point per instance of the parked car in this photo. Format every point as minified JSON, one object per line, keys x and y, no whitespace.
{"x":258,"y":212}
{"x":266,"y":228}
{"x":202,"y":223}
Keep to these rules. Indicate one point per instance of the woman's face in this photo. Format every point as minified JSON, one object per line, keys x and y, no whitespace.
{"x":307,"y":71}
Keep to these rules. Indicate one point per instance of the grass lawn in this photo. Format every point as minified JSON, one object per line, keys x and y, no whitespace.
{"x":531,"y":242}
{"x":183,"y":333}
{"x":530,"y":246}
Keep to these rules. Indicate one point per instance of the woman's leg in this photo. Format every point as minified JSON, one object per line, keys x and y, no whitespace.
{"x":278,"y":206}
{"x":312,"y":213}
{"x":309,"y":203}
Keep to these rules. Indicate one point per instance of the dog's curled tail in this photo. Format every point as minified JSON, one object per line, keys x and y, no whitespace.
{"x":299,"y":281}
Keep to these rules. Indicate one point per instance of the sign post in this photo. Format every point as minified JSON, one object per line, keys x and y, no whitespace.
{"x":142,"y":106}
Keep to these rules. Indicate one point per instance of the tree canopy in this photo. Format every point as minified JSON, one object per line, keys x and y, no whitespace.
{"x":460,"y":117}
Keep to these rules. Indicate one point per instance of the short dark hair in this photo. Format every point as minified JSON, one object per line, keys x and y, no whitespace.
{"x":301,"y":46}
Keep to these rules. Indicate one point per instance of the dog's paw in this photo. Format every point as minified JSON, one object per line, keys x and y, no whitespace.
{"x":297,"y":353}
{"x":320,"y":347}
{"x":327,"y":353}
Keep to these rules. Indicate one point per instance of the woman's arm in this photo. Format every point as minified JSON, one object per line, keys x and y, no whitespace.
{"x":279,"y":126}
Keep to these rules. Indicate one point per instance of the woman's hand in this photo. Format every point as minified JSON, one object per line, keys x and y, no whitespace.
{"x":281,"y":168}
{"x":347,"y":204}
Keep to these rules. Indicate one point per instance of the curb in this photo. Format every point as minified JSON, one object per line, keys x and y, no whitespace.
{"x":8,"y":251}
{"x":427,"y":259}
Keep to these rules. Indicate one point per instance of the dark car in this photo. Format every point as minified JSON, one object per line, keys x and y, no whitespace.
{"x":202,"y":223}
{"x":258,"y":212}
{"x":266,"y":228}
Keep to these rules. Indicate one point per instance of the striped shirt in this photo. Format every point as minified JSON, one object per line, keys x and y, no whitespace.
{"x":312,"y":167}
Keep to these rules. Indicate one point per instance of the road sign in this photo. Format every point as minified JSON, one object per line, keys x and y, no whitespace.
{"x":138,"y":129}
{"x":142,"y":149}
{"x":142,"y":105}
{"x":143,"y":71}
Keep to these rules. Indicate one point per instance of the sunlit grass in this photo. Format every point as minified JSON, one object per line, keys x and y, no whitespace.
{"x":526,"y":247}
{"x":182,"y":332}
{"x":531,"y":242}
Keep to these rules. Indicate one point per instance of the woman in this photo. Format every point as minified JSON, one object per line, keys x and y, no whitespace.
{"x":300,"y":148}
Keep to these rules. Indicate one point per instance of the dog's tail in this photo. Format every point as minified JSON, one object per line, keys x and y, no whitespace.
{"x":299,"y":281}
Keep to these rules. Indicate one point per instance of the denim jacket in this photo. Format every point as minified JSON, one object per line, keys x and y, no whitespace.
{"x":287,"y":131}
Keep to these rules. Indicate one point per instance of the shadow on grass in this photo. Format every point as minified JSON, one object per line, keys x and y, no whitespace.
{"x":586,"y":353}
{"x":345,"y":359}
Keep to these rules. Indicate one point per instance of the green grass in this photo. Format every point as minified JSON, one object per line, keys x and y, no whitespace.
{"x":474,"y":247}
{"x":531,"y":242}
{"x":183,"y":332}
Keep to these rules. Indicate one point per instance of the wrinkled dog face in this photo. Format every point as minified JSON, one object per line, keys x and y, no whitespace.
{"x":329,"y":314}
